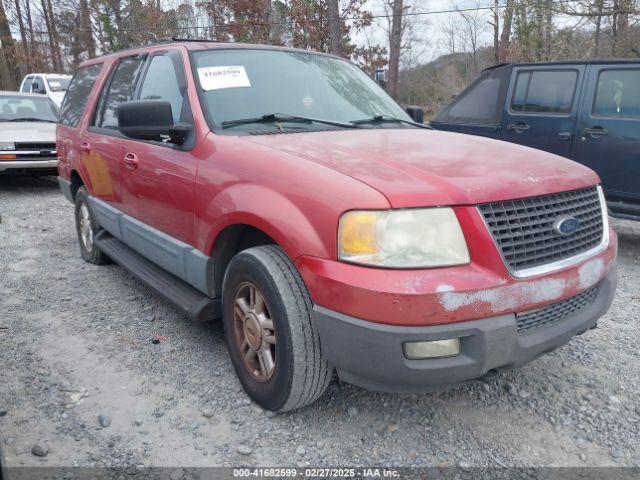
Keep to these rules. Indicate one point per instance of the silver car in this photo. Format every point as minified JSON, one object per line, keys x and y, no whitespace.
{"x":27,"y":133}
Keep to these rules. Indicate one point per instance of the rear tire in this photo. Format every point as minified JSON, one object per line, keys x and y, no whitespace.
{"x":87,"y":229}
{"x":281,"y":368}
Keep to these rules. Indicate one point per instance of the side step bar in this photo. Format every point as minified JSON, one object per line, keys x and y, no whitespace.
{"x":195,"y":305}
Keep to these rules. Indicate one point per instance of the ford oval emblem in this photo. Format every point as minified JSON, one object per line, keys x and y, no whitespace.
{"x":566,"y":225}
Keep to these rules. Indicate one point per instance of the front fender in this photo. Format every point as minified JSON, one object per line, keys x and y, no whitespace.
{"x":269,"y":211}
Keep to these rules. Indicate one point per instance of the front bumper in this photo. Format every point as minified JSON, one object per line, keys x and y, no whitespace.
{"x":370,"y":354}
{"x":23,"y":165}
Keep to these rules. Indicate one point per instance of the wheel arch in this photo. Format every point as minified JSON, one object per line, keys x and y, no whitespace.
{"x":230,"y":241}
{"x":76,"y":182}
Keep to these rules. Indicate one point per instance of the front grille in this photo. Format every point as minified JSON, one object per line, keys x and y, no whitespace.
{"x":524,"y":229}
{"x":533,"y":319}
{"x":35,"y":146}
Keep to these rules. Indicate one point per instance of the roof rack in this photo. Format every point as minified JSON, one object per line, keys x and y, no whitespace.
{"x":178,"y":39}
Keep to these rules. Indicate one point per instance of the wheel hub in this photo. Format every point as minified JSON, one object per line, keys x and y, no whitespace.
{"x":253,"y":331}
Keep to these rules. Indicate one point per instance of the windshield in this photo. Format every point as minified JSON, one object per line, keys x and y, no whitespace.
{"x":58,"y":84}
{"x":243,"y":84}
{"x":16,"y":108}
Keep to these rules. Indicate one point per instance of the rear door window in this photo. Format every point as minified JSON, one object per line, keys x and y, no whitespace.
{"x":618,"y":94}
{"x":38,"y":86}
{"x":77,"y":94}
{"x":119,"y":89}
{"x":544,"y":91}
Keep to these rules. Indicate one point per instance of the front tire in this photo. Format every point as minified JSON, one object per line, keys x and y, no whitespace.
{"x":273,"y":341}
{"x":87,"y":230}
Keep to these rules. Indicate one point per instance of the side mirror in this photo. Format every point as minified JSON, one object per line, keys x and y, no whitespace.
{"x":150,"y":120}
{"x":416,"y":114}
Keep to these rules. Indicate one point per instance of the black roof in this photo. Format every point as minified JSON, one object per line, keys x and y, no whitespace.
{"x":597,"y":61}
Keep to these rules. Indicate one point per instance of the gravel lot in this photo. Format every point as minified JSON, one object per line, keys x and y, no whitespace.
{"x":77,"y":342}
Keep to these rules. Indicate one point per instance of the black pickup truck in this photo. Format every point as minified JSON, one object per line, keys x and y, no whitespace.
{"x":587,"y":111}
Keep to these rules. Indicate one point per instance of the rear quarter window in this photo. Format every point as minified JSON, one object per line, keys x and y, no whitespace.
{"x":77,"y":94}
{"x":481,"y":102}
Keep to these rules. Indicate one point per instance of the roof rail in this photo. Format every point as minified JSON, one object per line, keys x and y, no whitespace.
{"x":179,"y":39}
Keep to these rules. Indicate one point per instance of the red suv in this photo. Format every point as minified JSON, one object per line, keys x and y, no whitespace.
{"x":285,"y":192}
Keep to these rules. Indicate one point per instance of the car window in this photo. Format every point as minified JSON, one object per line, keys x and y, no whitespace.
{"x":18,"y":108}
{"x":618,"y":93}
{"x":482,"y":102}
{"x":118,"y":90}
{"x":161,"y":83}
{"x":77,"y":94}
{"x":58,"y":84}
{"x":544,"y":91}
{"x":26,"y":86}
{"x":38,"y":85}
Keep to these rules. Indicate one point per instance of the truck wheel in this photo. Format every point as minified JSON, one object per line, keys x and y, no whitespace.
{"x":273,"y":341}
{"x":87,"y":230}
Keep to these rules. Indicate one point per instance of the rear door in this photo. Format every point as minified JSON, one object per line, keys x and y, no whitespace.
{"x":609,"y":129}
{"x":102,"y":143}
{"x":542,"y":105}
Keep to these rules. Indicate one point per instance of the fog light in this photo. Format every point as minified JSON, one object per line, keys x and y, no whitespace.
{"x":435,"y":349}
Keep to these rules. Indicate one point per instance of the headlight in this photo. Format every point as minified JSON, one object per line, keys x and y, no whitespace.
{"x":412,"y":238}
{"x":7,"y":146}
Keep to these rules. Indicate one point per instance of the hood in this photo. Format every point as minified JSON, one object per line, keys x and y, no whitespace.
{"x":28,"y":132}
{"x":416,"y":167}
{"x":57,"y":97}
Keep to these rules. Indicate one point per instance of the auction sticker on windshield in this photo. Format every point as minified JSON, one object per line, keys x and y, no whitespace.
{"x":217,"y":78}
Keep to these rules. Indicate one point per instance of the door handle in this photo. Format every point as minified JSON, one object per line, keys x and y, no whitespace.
{"x":595,"y":132}
{"x":85,"y":147}
{"x":518,"y":127}
{"x":131,"y":161}
{"x":564,"y":135}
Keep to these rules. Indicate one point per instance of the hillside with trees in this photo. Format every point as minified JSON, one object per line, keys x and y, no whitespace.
{"x":48,"y":36}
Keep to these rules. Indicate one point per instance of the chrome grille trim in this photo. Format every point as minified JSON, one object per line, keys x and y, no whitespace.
{"x":531,"y":320}
{"x":561,"y":263}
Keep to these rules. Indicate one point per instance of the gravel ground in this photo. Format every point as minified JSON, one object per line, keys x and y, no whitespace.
{"x":83,"y":383}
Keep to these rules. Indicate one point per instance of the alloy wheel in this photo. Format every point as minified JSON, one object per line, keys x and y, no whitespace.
{"x":254,"y":332}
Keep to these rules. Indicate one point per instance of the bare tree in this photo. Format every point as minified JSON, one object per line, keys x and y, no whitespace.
{"x":335,"y":35}
{"x":395,"y":40}
{"x":86,"y":30}
{"x":505,"y":36}
{"x":8,"y":47}
{"x":23,"y":36}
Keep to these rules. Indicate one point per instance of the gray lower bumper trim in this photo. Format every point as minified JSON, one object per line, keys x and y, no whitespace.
{"x":370,"y":354}
{"x":65,"y":187}
{"x":29,"y":164}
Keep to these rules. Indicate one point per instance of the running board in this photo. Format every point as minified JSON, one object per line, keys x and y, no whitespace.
{"x":194,"y":304}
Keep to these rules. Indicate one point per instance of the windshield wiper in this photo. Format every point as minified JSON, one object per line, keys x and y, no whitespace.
{"x":377,"y":119}
{"x":278,"y":117}
{"x":31,"y":119}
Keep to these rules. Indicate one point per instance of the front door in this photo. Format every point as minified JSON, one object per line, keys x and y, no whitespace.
{"x":541,"y":107}
{"x":159,"y":177}
{"x":609,"y":129}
